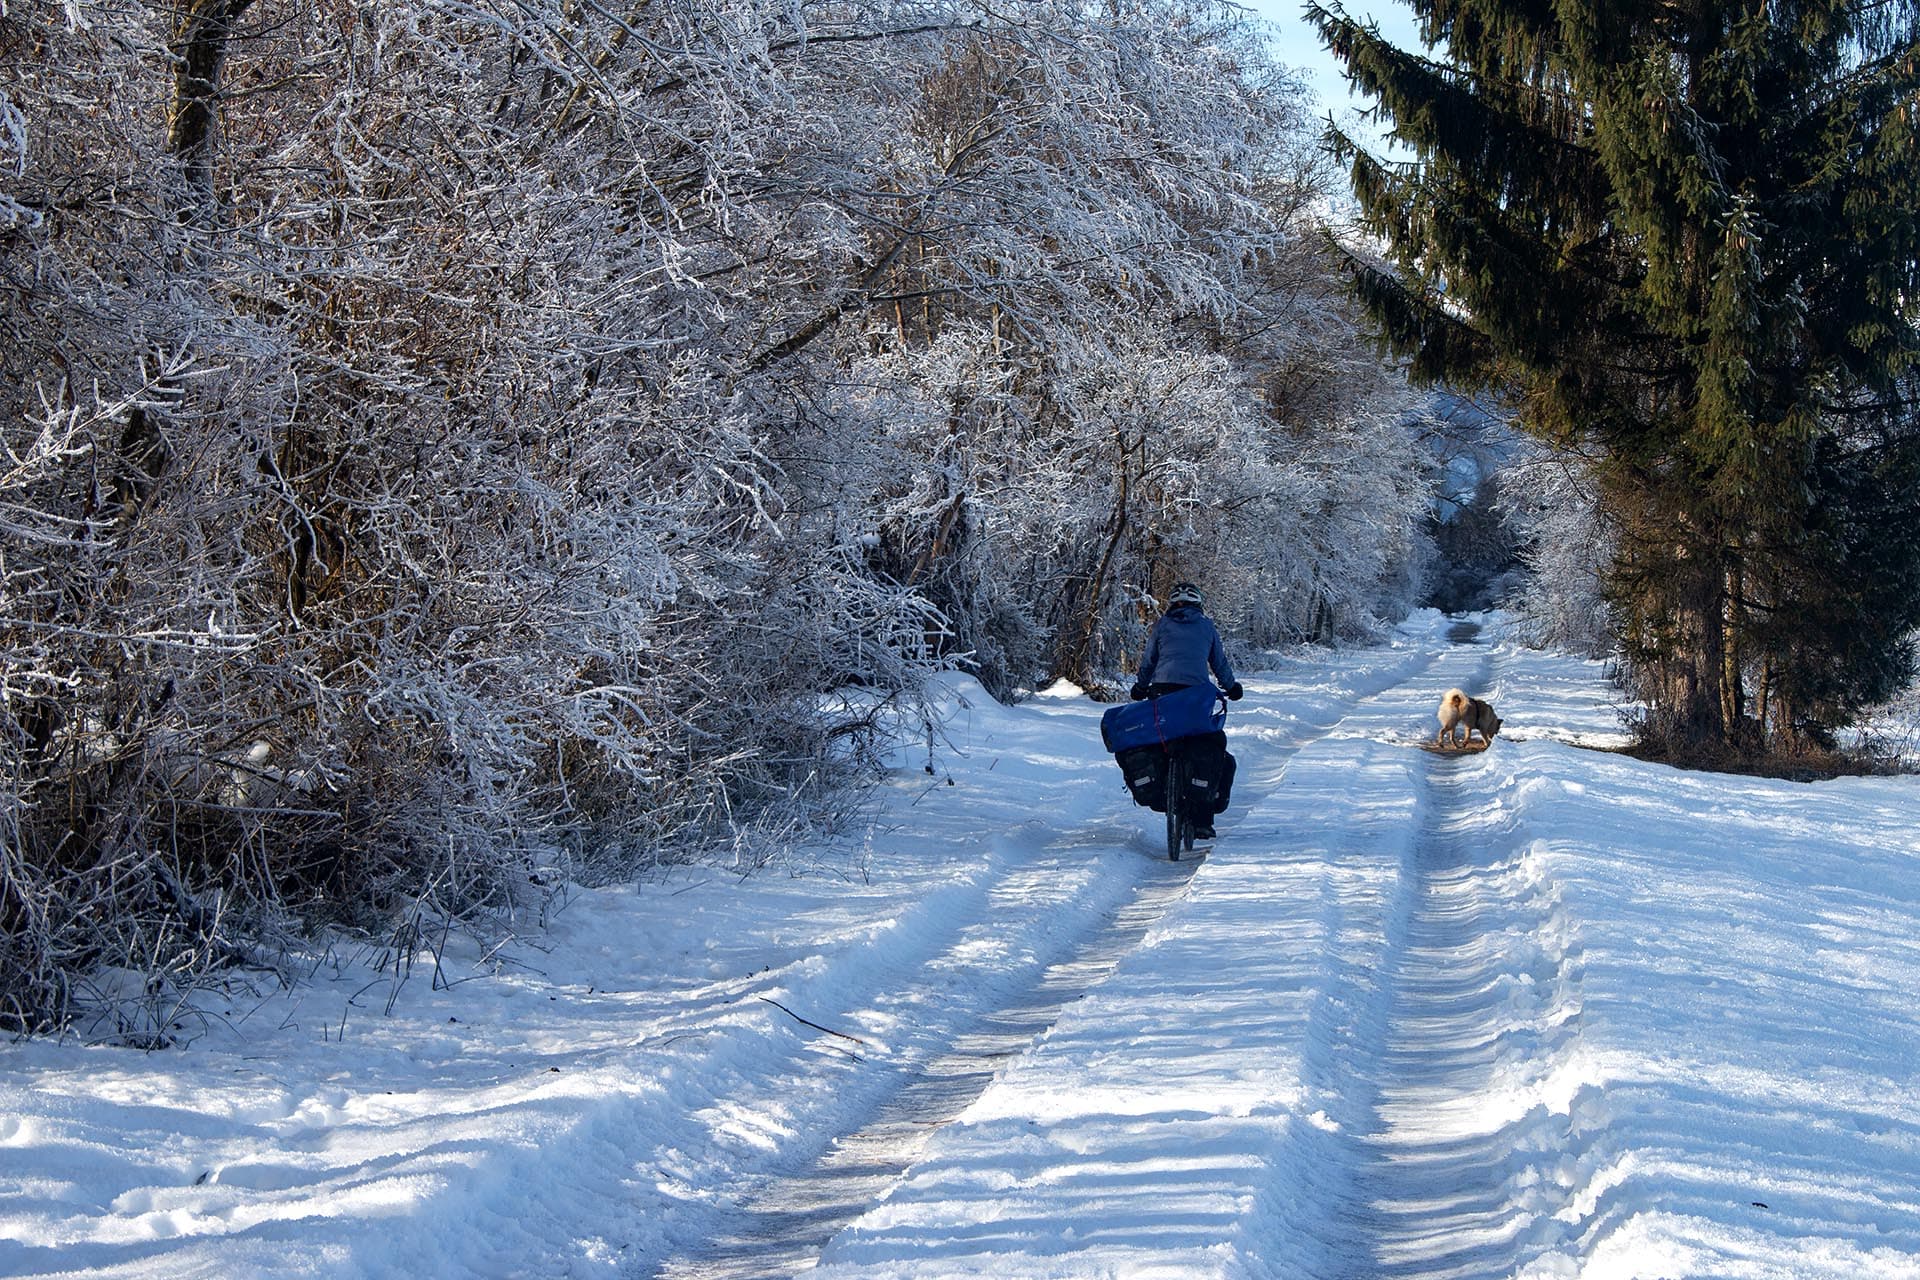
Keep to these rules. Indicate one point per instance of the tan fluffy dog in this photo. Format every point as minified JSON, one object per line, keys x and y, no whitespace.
{"x":1464,"y":715}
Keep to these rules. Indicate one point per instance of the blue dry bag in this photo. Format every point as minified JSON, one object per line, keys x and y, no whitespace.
{"x":1195,"y":709}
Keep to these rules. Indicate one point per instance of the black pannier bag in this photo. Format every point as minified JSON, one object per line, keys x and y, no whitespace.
{"x":1209,"y":773}
{"x":1145,"y":769}
{"x":1209,"y":770}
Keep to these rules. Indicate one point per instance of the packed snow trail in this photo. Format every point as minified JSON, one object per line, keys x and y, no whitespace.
{"x":780,"y":1228}
{"x":782,"y":1222}
{"x":1439,"y":1081}
{"x":1538,"y":1012}
{"x":1206,"y":1110}
{"x":1364,"y":1045}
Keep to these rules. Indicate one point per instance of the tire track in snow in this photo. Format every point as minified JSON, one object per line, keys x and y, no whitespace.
{"x":780,"y":1228}
{"x":1439,"y":1142}
{"x":1363,"y":805}
{"x":1465,"y":1154}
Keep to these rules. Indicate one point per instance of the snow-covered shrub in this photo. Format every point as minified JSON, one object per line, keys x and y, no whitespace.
{"x":1891,"y":731}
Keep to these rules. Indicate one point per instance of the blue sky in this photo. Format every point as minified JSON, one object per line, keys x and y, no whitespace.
{"x":1298,"y":46}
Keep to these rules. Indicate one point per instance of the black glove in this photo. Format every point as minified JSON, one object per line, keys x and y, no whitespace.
{"x":1138,"y":693}
{"x":1235,"y":692}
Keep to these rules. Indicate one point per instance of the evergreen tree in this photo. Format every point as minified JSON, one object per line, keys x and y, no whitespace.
{"x":1837,"y":611}
{"x":1688,"y":234}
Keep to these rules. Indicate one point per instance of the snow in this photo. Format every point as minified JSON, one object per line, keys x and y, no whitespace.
{"x":1543,"y":1010}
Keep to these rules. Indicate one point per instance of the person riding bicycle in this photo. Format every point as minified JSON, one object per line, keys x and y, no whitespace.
{"x":1183,"y":648}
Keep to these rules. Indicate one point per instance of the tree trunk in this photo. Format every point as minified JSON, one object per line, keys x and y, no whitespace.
{"x":1075,"y":661}
{"x":1732,"y":696}
{"x":1679,"y":601}
{"x":199,"y":48}
{"x":201,"y":32}
{"x":1763,"y":704}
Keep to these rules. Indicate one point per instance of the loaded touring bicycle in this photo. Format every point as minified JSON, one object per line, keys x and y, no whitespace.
{"x":1172,"y":750}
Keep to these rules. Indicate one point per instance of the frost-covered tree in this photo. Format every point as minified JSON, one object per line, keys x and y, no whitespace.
{"x":1553,"y":502}
{"x":451,"y":447}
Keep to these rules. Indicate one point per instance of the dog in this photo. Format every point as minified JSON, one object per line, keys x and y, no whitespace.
{"x":1464,"y":715}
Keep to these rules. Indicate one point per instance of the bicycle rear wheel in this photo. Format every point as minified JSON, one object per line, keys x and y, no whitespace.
{"x":1179,"y":826}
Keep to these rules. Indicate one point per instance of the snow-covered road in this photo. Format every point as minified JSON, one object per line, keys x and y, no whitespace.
{"x":1539,"y":1011}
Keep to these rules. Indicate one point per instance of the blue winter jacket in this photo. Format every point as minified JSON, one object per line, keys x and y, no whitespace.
{"x":1184,"y":644}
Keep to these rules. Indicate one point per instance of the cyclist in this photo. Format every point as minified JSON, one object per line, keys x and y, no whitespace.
{"x":1182,"y":650}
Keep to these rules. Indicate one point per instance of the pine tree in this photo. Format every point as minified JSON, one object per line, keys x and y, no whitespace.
{"x":1685,"y":234}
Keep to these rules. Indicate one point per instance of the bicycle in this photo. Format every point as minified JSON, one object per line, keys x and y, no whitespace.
{"x":1158,"y":742}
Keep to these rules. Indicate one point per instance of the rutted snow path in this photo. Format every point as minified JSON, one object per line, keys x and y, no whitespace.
{"x":1241,"y":1079}
{"x":1448,"y":1152}
{"x":1361,"y":1088}
{"x":1538,"y":1013}
{"x":781,"y":1221}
